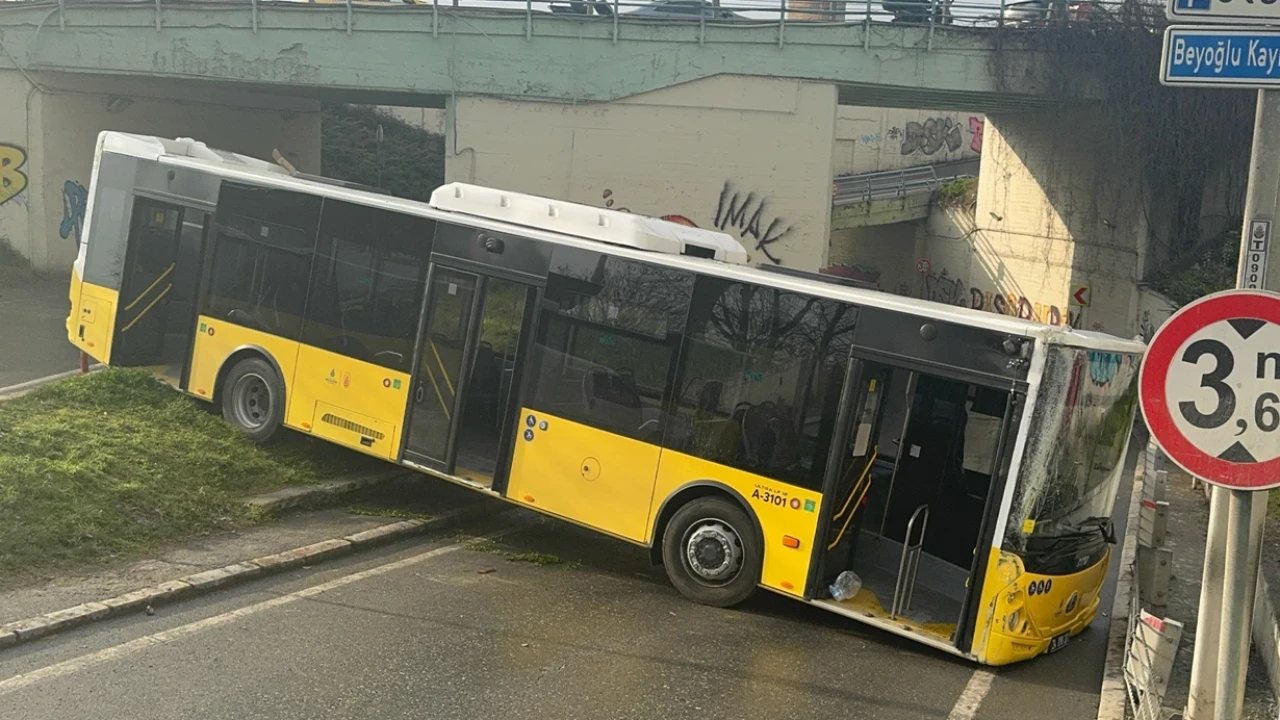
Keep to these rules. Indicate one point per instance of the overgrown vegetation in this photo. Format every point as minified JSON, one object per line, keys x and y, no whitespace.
{"x":409,"y":165}
{"x":1181,"y":137}
{"x":960,"y":192}
{"x":110,"y":464}
{"x":541,"y":559}
{"x":1212,"y":269}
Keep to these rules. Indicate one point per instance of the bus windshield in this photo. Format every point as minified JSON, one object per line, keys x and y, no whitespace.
{"x":1061,"y":513}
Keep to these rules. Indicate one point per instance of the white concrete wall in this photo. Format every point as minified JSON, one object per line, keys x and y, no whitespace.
{"x":58,"y":125}
{"x":18,"y":174}
{"x":1060,"y":208}
{"x":995,"y":272}
{"x":750,"y":156}
{"x":883,"y":254}
{"x":872,"y":139}
{"x":1153,"y":310}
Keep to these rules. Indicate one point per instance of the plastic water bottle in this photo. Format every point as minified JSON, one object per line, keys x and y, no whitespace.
{"x":846,"y":586}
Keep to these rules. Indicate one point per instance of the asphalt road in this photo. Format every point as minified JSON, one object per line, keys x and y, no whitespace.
{"x":422,"y":629}
{"x":33,"y":335}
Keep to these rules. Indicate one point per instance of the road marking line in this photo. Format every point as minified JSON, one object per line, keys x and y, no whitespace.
{"x":67,"y":667}
{"x":966,"y":707}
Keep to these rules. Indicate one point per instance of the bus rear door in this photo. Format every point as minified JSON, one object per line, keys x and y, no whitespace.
{"x":155,"y":318}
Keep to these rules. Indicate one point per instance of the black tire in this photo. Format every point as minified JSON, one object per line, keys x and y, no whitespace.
{"x":715,"y":529}
{"x":252,"y":399}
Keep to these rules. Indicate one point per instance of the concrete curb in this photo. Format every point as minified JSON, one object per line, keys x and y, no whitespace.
{"x":13,"y":392}
{"x":305,"y":495}
{"x":23,"y":631}
{"x":1266,"y":633}
{"x":1113,"y":698}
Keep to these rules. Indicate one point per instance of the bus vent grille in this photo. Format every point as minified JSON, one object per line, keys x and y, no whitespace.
{"x":353,"y":427}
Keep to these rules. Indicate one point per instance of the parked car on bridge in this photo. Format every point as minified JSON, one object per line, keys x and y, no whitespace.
{"x":686,"y":9}
{"x":1038,"y":12}
{"x":660,"y":10}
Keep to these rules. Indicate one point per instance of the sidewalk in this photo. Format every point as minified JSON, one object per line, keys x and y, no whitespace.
{"x":419,"y":497}
{"x":1187,"y":529}
{"x":33,"y":334}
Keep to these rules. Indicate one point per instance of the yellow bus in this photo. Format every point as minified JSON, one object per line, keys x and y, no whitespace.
{"x":944,"y":474}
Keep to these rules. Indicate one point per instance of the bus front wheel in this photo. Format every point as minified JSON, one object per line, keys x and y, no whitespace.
{"x":253,"y":399}
{"x":711,"y":552}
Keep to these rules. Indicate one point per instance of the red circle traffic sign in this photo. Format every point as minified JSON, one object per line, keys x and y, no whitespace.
{"x":1213,"y":362}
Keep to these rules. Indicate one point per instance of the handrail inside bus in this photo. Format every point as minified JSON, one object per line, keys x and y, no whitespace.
{"x":866,"y":475}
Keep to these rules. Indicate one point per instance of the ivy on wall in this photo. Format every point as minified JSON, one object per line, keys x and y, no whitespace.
{"x":1180,"y":136}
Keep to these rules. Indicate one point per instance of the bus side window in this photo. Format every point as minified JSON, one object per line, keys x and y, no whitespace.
{"x":263,"y":246}
{"x":367,"y":286}
{"x":605,"y":343}
{"x":763,"y":370}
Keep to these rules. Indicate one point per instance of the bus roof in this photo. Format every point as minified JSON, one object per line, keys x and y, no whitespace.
{"x":195,"y":155}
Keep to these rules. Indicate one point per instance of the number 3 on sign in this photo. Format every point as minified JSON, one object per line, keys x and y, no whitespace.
{"x":1266,"y":416}
{"x":1210,"y":388}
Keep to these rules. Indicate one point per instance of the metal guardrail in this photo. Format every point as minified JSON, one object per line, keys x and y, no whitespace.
{"x":702,"y":14}
{"x":1151,"y":642}
{"x":899,"y":183}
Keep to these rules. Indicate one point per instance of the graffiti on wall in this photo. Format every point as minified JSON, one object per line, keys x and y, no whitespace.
{"x":940,"y":287}
{"x":607,"y":196}
{"x":976,"y":126}
{"x":75,"y":198}
{"x":12,"y":179}
{"x":1103,"y":367}
{"x":931,"y":136}
{"x":747,"y":213}
{"x":871,"y":139}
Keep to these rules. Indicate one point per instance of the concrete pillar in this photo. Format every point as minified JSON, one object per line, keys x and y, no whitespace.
{"x":47,"y":137}
{"x":749,"y":156}
{"x":1059,"y":210}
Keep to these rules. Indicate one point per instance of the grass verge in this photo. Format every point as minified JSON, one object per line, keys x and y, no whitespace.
{"x":109,"y":464}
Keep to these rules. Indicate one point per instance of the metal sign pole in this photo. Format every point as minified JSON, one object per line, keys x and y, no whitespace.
{"x":1243,"y":542}
{"x":1204,"y":662}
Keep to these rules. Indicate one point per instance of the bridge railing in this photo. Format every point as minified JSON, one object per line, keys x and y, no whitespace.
{"x":1020,"y":15}
{"x":865,"y":187}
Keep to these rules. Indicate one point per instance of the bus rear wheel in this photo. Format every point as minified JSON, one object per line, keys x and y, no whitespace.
{"x":711,"y":552}
{"x":253,"y":399}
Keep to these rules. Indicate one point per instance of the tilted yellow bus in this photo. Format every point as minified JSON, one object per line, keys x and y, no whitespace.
{"x":941,"y":473}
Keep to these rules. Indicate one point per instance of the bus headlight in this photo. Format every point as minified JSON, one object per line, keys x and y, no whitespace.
{"x":1071,"y":602}
{"x":1013,"y":620}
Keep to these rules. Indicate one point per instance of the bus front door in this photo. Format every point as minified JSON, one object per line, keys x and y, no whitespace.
{"x":154,"y":323}
{"x":460,"y":414}
{"x":917,"y":473}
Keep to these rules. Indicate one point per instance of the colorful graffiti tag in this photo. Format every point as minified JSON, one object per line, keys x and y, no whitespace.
{"x":12,"y":179}
{"x":941,"y":287}
{"x":75,"y":199}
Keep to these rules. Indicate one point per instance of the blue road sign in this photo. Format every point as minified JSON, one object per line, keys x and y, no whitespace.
{"x":1229,"y":11}
{"x":1220,"y":56}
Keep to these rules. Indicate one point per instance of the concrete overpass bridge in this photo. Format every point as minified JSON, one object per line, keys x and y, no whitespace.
{"x":727,"y":122}
{"x":418,"y":55}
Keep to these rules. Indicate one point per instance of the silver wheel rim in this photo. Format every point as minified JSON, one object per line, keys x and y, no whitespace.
{"x":251,"y":401}
{"x":712,"y":552}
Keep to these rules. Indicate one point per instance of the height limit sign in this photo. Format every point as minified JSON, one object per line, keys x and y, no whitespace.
{"x":1210,"y":389}
{"x":1255,"y":256}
